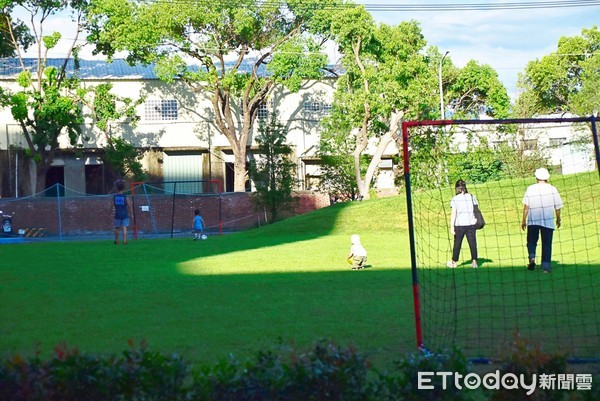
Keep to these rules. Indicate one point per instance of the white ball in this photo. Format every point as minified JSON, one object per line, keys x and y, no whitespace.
{"x":204,"y":236}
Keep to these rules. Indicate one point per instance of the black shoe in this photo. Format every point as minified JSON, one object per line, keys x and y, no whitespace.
{"x":531,"y":266}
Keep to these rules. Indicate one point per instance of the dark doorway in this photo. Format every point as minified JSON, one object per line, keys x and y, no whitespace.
{"x":229,"y":177}
{"x":94,"y":179}
{"x":55,"y":175}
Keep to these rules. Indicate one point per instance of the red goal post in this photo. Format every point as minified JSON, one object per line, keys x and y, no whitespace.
{"x":406,"y":151}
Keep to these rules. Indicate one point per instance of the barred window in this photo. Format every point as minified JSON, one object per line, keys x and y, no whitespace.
{"x":263,"y":111}
{"x":161,"y":109}
{"x":317,"y":107}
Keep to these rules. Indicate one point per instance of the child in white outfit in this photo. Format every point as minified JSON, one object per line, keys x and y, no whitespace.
{"x":358,"y":254}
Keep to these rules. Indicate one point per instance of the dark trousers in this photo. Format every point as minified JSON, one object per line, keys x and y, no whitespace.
{"x":533,"y":235}
{"x":459,"y":233}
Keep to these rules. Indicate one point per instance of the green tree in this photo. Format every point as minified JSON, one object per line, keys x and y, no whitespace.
{"x":273,"y":170}
{"x":385,"y":80}
{"x":337,"y":177}
{"x":106,"y":109}
{"x":270,"y":37}
{"x":12,"y":31}
{"x":391,"y":76}
{"x":565,"y":80}
{"x":46,"y":106}
{"x":475,"y":89}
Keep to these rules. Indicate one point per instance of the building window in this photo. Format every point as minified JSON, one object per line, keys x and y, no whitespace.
{"x":317,"y":107}
{"x":263,"y":111}
{"x":161,"y":110}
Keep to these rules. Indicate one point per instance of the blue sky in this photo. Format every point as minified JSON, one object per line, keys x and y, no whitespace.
{"x":504,"y":39}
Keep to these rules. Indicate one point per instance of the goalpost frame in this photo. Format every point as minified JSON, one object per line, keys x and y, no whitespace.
{"x":406,"y":125}
{"x":139,"y":183}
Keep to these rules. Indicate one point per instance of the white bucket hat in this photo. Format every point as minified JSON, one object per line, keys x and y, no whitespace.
{"x":542,"y":174}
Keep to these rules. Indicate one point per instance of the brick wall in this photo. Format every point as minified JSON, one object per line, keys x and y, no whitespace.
{"x":154,"y":214}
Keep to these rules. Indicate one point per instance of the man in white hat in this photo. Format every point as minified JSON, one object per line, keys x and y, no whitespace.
{"x":541,"y":203}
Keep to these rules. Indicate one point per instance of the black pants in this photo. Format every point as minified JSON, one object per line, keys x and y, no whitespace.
{"x":459,"y":233}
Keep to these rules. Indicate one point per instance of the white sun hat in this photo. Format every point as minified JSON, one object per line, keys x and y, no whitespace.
{"x":542,"y":174}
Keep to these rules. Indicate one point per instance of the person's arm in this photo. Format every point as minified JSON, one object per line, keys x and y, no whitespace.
{"x":129,"y":208}
{"x":557,"y":218}
{"x":524,"y":221}
{"x":452,"y":221}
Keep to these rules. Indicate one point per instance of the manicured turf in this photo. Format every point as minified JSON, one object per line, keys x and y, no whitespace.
{"x":238,"y":293}
{"x":285,"y":283}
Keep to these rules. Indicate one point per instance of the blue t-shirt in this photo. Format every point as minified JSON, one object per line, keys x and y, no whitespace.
{"x":198,"y":223}
{"x":120,"y":202}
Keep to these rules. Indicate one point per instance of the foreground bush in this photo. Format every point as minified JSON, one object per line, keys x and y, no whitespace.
{"x":325,"y":372}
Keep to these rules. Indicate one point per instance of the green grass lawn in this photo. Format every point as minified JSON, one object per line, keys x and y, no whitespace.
{"x":238,"y":293}
{"x":289,"y":283}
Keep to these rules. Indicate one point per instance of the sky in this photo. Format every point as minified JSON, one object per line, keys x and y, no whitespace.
{"x":505,"y":39}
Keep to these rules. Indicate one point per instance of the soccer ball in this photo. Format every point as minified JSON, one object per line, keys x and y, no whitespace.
{"x":204,"y":236}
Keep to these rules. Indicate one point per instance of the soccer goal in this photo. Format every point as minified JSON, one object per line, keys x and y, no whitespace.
{"x":481,"y":309}
{"x":167,"y":208}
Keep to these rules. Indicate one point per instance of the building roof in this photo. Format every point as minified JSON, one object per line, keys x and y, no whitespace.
{"x":88,"y":69}
{"x":100,"y":69}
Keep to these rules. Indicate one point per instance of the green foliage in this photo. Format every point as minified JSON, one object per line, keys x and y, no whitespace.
{"x":476,"y":89}
{"x":523,"y":357}
{"x":106,"y":109}
{"x":157,"y":32}
{"x":24,"y":39}
{"x":564,"y":80}
{"x":403,"y":385}
{"x":139,"y":374}
{"x":273,"y":172}
{"x":51,"y":40}
{"x":124,"y":158}
{"x":338,"y":177}
{"x":47,"y":106}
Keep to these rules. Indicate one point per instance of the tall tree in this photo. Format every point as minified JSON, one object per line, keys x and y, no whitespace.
{"x":270,"y":37}
{"x":385,"y":80}
{"x":564,"y":80}
{"x":272,"y":170}
{"x":390,"y":76}
{"x":46,"y":106}
{"x":475,"y":89}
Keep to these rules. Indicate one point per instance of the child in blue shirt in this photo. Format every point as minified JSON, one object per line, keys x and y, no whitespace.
{"x":198,"y":224}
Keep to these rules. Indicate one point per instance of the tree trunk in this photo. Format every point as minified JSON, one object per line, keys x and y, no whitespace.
{"x":40,"y":176}
{"x":239,"y":169}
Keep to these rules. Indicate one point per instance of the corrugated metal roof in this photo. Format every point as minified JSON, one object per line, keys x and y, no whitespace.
{"x":101,"y":69}
{"x":88,"y":69}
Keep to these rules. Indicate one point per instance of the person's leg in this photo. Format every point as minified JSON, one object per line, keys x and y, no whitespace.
{"x":125,"y":225}
{"x":547,"y":234}
{"x":117,"y":228}
{"x":459,"y":234}
{"x":533,"y":235}
{"x":471,"y":233}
